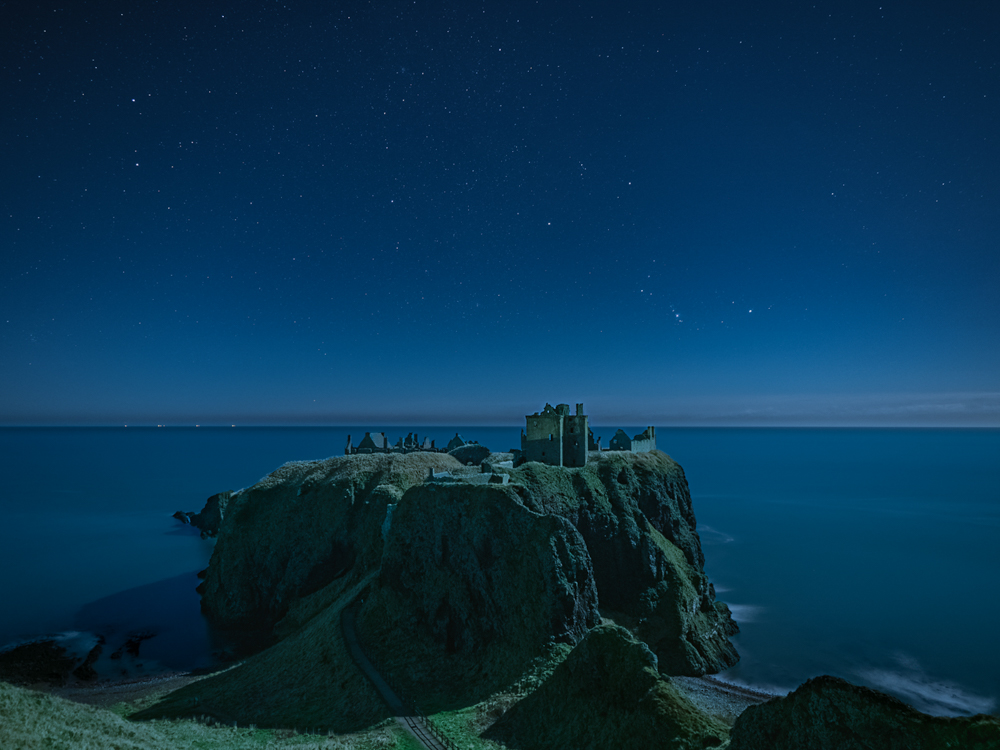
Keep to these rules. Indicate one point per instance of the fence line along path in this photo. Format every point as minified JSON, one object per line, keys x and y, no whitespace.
{"x":415,"y":722}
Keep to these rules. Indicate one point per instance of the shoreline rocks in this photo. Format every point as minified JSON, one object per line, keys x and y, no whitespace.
{"x":209,"y":520}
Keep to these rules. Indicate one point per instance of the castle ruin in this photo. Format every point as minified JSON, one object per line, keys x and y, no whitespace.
{"x":554,"y":436}
{"x":377,"y":442}
{"x":641,"y":443}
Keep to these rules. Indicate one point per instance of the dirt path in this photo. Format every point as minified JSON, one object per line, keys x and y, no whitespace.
{"x":417,"y":725}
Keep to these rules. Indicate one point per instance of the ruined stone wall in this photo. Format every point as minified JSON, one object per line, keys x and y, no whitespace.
{"x":575,"y":440}
{"x":543,"y":441}
{"x":644,"y":441}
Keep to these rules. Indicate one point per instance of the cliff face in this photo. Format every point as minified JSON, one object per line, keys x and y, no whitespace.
{"x":473,"y":586}
{"x":300,"y":529}
{"x":634,"y":513}
{"x":474,"y":568}
{"x":463,"y":585}
{"x":829,"y":712}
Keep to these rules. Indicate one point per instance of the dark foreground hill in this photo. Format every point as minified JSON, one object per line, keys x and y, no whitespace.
{"x":827,"y":712}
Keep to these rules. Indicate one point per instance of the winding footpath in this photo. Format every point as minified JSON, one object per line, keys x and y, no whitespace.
{"x":417,"y":725}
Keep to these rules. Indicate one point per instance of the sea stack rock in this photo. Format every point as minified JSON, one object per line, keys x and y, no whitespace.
{"x":462,"y":587}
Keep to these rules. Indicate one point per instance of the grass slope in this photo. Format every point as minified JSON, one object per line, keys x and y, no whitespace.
{"x":607,"y":694}
{"x":35,"y":721}
{"x":307,"y":681}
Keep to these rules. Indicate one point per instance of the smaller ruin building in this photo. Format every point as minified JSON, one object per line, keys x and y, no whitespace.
{"x":372,"y":442}
{"x":377,"y":442}
{"x":641,"y":443}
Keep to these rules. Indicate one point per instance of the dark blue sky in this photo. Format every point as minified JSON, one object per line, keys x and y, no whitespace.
{"x":313,"y":212}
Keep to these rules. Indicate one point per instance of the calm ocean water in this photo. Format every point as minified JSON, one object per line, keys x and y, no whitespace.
{"x":868,"y":554}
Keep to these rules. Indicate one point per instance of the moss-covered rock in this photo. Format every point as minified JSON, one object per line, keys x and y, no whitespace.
{"x":470,"y":453}
{"x":298,"y":529}
{"x":830,"y":713}
{"x":608,"y":693}
{"x":635,"y":514}
{"x":473,"y":586}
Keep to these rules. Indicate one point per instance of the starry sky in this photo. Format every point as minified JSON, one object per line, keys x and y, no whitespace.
{"x":452,"y":212}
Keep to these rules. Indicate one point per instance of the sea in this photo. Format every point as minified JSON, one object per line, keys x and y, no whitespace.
{"x":869,"y":554}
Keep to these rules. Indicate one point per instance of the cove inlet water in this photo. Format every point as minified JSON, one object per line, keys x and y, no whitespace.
{"x":868,"y":554}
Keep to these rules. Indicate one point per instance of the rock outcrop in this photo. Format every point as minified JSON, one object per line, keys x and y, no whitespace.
{"x":464,"y":585}
{"x":44,"y":661}
{"x":474,"y":585}
{"x":210,"y":518}
{"x":53,"y":661}
{"x":607,"y":693}
{"x":298,"y":530}
{"x":635,"y":514}
{"x":470,"y":453}
{"x":830,"y":713}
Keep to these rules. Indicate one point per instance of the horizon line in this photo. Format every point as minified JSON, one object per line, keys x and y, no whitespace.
{"x":427,"y":425}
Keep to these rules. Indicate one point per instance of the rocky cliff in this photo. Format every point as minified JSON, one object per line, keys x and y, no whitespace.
{"x":473,"y":586}
{"x":298,"y":530}
{"x":463,"y":584}
{"x":635,"y":515}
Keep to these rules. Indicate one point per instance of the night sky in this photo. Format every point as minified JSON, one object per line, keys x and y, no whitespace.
{"x":443,"y":212}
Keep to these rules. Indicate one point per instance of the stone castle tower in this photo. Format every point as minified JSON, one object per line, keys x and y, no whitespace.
{"x":556,"y":437}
